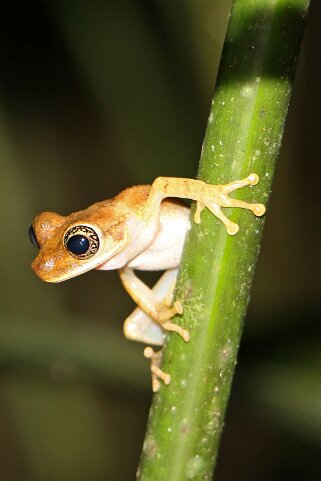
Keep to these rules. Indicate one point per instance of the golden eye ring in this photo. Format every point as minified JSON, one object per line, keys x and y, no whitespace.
{"x":81,"y":241}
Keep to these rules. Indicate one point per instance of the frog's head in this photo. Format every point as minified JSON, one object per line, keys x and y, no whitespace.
{"x":69,"y":246}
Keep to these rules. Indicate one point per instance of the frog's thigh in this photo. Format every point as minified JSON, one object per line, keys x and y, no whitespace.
{"x":139,"y":326}
{"x":145,"y":297}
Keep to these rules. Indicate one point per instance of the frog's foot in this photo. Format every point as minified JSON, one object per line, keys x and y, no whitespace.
{"x":216,"y":196}
{"x":157,"y":374}
{"x":206,"y":195}
{"x":165,"y":312}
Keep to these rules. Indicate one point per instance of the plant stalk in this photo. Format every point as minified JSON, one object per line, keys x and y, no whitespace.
{"x":243,"y":135}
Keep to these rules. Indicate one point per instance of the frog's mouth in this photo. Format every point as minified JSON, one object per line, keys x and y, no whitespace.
{"x":55,"y":270}
{"x":61,"y":266}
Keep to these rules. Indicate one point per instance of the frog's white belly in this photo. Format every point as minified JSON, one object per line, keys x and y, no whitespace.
{"x":166,"y":250}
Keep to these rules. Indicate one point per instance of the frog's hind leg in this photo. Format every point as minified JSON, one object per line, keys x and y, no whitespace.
{"x":139,"y":326}
{"x":154,"y":306}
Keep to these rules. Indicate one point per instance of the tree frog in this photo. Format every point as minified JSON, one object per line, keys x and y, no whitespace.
{"x":141,"y":228}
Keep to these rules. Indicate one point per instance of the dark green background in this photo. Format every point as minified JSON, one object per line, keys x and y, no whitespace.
{"x":95,"y":96}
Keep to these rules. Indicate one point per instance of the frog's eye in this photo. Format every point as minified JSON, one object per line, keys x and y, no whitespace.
{"x":81,"y":241}
{"x":32,"y":236}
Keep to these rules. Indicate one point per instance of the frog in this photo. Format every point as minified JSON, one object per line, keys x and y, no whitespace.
{"x":143,"y":228}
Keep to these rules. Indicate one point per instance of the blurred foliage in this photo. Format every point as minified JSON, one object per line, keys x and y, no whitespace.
{"x":96,"y":96}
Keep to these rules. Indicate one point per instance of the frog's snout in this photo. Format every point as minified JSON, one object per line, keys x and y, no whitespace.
{"x":44,"y":268}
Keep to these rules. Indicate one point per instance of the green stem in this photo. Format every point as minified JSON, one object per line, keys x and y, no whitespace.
{"x":243,"y":135}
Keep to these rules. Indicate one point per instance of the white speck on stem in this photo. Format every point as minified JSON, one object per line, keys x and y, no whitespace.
{"x":193,"y":466}
{"x":247,"y":91}
{"x":183,"y":383}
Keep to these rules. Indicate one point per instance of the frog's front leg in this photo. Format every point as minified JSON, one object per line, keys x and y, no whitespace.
{"x":206,"y":195}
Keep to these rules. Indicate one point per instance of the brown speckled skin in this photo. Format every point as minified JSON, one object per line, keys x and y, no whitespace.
{"x":108,"y":217}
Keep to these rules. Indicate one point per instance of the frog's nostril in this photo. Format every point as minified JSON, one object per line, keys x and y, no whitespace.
{"x":32,"y":236}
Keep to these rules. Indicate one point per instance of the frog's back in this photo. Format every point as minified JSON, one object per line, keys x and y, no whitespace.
{"x":131,"y":201}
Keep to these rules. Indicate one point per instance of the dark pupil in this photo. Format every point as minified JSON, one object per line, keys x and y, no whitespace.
{"x":32,"y":236}
{"x":78,"y":244}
